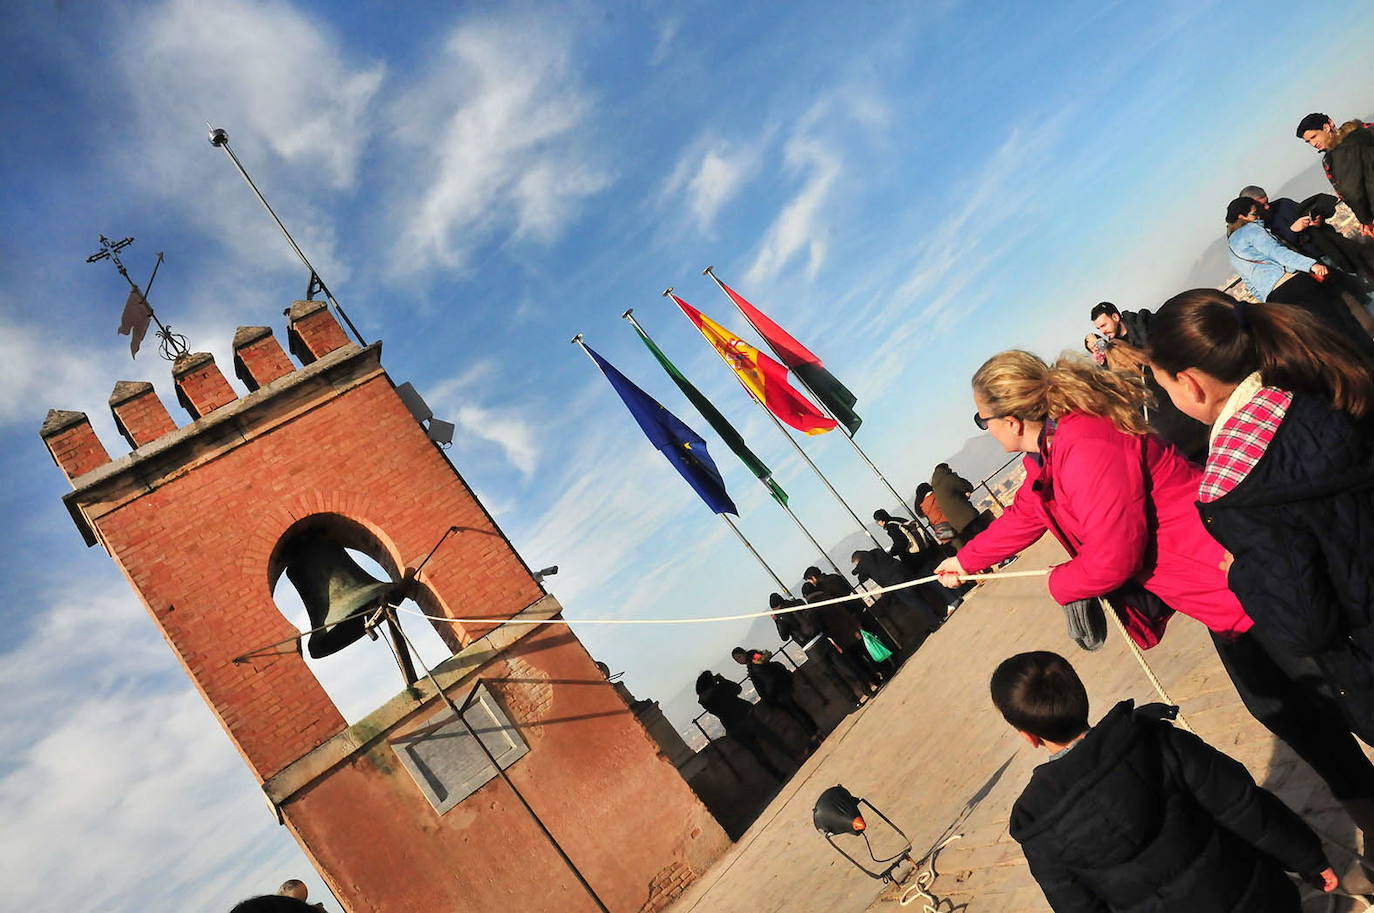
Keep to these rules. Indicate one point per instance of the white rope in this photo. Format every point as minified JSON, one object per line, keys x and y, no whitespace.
{"x":1180,"y":719}
{"x":927,"y":878}
{"x":713,"y":618}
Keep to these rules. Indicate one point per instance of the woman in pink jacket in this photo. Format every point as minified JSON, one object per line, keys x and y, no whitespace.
{"x":1121,"y":502}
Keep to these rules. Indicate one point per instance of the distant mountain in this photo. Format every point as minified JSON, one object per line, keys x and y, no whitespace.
{"x":980,"y":457}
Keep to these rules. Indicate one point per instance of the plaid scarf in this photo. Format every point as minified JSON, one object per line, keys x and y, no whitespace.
{"x":1240,"y":439}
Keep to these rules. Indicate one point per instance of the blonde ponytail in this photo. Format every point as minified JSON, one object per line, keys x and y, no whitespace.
{"x":1020,"y":384}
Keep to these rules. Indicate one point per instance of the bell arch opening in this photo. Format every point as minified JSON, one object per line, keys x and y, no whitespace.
{"x":328,"y":571}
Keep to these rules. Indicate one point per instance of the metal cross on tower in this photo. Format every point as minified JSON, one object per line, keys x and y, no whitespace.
{"x":138,"y":310}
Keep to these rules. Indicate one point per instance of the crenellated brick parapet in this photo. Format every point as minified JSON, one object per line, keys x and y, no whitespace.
{"x":138,"y":413}
{"x":258,"y":357}
{"x":201,"y":387}
{"x":313,"y":332}
{"x":72,"y":442}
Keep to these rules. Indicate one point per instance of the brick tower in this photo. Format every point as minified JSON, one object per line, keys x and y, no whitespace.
{"x":402,"y":810}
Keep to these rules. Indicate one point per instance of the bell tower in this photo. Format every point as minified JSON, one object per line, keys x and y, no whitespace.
{"x":546,"y":795}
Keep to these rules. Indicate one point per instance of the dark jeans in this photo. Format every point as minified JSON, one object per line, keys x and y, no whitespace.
{"x":788,"y":705}
{"x":1323,"y":300}
{"x":1290,"y":697}
{"x":835,"y":666}
{"x":753,"y":735}
{"x":859,"y":663}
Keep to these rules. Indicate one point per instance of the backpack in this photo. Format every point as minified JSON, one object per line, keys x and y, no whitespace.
{"x":915,"y":536}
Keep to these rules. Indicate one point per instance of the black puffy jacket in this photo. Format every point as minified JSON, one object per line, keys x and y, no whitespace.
{"x":1138,"y":327}
{"x":1140,"y":817}
{"x":718,"y":695}
{"x":798,"y":627}
{"x":1300,"y":526}
{"x":772,"y":680}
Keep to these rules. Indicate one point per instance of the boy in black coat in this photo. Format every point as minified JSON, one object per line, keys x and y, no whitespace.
{"x":1135,"y":815}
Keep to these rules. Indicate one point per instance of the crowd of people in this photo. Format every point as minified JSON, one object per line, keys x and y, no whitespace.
{"x":1264,"y":533}
{"x":1212,"y":459}
{"x":857,"y":643}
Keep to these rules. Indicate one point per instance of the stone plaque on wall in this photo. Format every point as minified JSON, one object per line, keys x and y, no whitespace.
{"x":445,"y":761}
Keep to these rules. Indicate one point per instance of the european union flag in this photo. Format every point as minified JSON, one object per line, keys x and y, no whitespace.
{"x":683,"y":447}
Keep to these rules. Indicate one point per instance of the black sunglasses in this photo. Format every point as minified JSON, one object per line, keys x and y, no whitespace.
{"x":982,"y":420}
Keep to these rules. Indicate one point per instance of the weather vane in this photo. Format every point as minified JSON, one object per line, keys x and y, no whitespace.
{"x":137,"y":311}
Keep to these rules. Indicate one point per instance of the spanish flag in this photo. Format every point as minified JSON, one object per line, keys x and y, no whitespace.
{"x":808,"y":367}
{"x":763,"y":377}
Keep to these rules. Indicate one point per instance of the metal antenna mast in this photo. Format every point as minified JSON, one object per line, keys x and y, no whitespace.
{"x":220,"y":137}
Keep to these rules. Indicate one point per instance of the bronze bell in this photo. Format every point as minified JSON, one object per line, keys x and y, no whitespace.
{"x":338,"y":594}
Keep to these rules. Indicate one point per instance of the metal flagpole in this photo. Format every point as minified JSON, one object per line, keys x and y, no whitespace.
{"x":916,"y":514}
{"x":753,"y":551}
{"x":629,"y":315}
{"x":814,"y":468}
{"x":581,"y":344}
{"x":220,"y":137}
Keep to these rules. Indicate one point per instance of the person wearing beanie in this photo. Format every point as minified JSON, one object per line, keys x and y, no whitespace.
{"x":1348,"y":160}
{"x":1304,"y":227}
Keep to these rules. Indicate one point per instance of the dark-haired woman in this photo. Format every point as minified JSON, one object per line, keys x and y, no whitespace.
{"x":1123,"y":504}
{"x":1288,"y":490}
{"x":1276,"y":274}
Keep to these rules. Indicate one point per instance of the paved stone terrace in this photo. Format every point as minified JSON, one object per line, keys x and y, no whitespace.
{"x":932,"y":753}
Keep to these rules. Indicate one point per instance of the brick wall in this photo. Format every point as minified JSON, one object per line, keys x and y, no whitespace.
{"x":195,"y":517}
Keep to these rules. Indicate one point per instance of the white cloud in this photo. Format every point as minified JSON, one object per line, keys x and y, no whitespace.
{"x":492,"y":139}
{"x":602,"y":515}
{"x":456,"y":400}
{"x":664,"y":38}
{"x":297,"y":111}
{"x":37,"y":371}
{"x":933,"y":286}
{"x":53,"y":365}
{"x":119,"y":785}
{"x":711,"y":174}
{"x":799,"y":228}
{"x":516,"y":438}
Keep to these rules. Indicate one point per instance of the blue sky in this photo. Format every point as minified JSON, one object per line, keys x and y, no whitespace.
{"x":907,"y":188}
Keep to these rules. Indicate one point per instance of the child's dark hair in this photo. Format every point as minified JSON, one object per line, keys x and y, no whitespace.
{"x":1213,"y":332}
{"x":1040,"y":693}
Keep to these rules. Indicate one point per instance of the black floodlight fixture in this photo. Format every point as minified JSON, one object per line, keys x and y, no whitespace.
{"x":837,"y":812}
{"x":840,"y":812}
{"x":440,"y":431}
{"x":419,"y":410}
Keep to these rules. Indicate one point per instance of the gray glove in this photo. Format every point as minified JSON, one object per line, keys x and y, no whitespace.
{"x":1087,"y":623}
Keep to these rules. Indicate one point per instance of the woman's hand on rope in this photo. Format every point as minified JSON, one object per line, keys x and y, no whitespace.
{"x":950,"y":572}
{"x":1325,"y":880}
